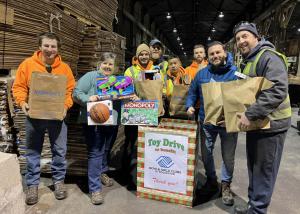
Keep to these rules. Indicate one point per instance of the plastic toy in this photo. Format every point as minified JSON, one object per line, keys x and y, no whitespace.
{"x":124,"y":83}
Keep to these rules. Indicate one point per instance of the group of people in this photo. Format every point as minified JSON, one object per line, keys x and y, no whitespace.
{"x":263,"y":147}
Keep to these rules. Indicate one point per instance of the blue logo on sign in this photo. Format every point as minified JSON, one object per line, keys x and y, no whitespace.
{"x":164,"y":161}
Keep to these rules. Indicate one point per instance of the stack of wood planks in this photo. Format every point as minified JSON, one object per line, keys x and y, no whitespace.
{"x":30,"y":18}
{"x":6,"y":124}
{"x":85,"y":29}
{"x":96,"y":42}
{"x":93,"y":12}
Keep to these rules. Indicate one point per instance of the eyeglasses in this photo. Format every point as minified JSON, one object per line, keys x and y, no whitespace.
{"x":156,"y":46}
{"x":243,"y":24}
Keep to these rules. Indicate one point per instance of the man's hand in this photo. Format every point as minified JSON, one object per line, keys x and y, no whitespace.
{"x":135,"y":98}
{"x":65,"y":113}
{"x":221,"y":123}
{"x":190,"y":111}
{"x":25,"y":108}
{"x":244,"y":122}
{"x":93,"y":98}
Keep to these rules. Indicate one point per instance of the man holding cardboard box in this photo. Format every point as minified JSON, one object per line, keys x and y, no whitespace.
{"x":45,"y":61}
{"x":219,"y":69}
{"x":264,"y":147}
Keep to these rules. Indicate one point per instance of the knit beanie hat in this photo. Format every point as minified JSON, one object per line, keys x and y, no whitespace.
{"x":142,"y":47}
{"x":251,"y":27}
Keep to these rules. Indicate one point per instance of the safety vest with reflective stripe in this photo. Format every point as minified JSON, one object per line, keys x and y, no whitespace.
{"x":284,"y":109}
{"x":163,"y":72}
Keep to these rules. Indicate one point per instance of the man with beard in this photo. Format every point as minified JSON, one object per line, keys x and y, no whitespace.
{"x":219,"y":69}
{"x":198,"y":63}
{"x":263,"y":147}
{"x":140,"y":62}
{"x":156,"y":56}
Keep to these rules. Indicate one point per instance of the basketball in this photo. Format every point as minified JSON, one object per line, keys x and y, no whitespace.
{"x":99,"y":113}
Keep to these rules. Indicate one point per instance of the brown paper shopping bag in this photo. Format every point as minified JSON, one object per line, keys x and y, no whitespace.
{"x":150,"y":90}
{"x":238,"y":96}
{"x":177,"y":101}
{"x":47,"y":96}
{"x":213,"y":103}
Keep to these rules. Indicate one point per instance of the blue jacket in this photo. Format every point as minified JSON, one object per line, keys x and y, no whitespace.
{"x":209,"y":74}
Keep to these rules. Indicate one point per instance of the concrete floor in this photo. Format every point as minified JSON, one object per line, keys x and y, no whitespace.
{"x":119,"y":200}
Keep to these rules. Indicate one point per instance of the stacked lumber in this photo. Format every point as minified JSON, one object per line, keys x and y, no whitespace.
{"x":77,"y":151}
{"x":30,"y":18}
{"x":93,"y":12}
{"x":95,"y":43}
{"x":6,"y":125}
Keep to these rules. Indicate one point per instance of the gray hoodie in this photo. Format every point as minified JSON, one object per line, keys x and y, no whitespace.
{"x":273,"y":68}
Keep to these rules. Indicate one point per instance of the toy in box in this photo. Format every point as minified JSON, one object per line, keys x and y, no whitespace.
{"x":101,"y":113}
{"x":114,"y":87}
{"x":142,"y":112}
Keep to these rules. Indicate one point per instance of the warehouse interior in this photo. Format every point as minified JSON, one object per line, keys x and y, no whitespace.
{"x":90,"y":27}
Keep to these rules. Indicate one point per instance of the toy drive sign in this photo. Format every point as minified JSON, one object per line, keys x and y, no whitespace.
{"x":165,"y":162}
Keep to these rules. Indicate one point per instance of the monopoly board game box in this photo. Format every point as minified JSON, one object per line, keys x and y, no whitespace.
{"x":166,"y":162}
{"x":142,"y":112}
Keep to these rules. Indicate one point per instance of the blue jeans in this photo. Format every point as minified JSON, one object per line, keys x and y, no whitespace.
{"x":208,"y":136}
{"x":108,"y":145}
{"x":35,"y":131}
{"x":98,"y":140}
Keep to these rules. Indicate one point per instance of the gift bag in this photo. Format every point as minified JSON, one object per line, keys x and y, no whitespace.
{"x":47,"y":96}
{"x":151,"y":90}
{"x":238,"y":96}
{"x":177,"y":101}
{"x":213,"y":103}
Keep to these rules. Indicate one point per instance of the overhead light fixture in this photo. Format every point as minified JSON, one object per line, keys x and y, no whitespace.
{"x":213,"y":30}
{"x":168,"y":16}
{"x":174,"y":30}
{"x":298,"y":30}
{"x":209,"y":39}
{"x":182,"y":48}
{"x":178,"y":38}
{"x":180,"y":44}
{"x":221,"y":15}
{"x":184,"y":53}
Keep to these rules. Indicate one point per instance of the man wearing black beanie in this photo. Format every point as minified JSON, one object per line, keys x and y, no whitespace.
{"x":263,"y":147}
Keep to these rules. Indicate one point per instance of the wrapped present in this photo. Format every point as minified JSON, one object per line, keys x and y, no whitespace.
{"x":167,"y":162}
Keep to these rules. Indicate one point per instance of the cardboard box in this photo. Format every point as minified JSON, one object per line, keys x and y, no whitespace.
{"x":166,"y":169}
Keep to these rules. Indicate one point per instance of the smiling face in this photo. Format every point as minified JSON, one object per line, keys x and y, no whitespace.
{"x":199,"y":54}
{"x":156,"y":51}
{"x":107,"y":67}
{"x":49,"y":49}
{"x":245,"y":41}
{"x":144,"y":58}
{"x":216,"y":55}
